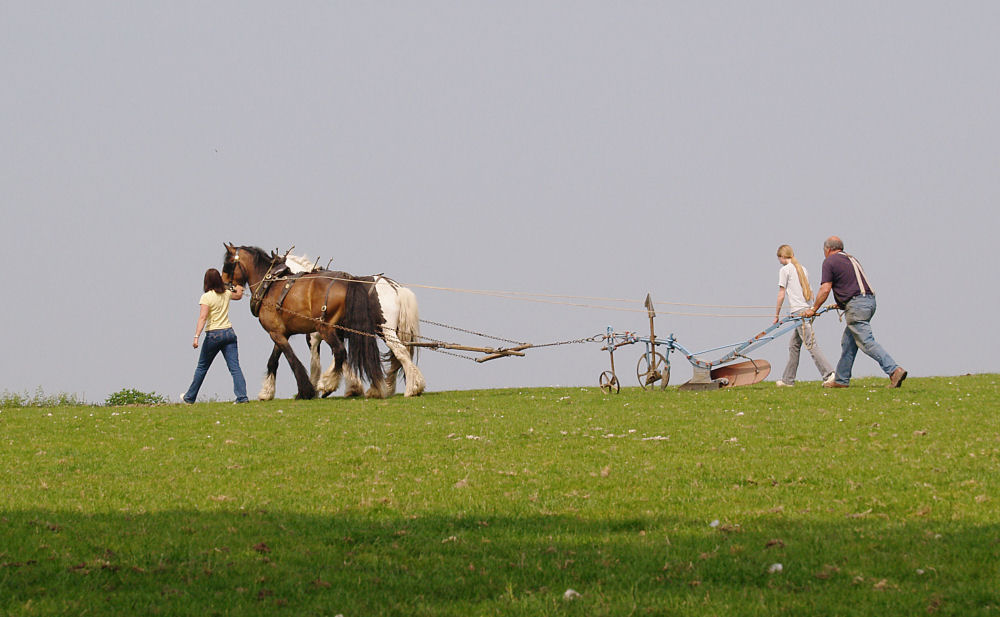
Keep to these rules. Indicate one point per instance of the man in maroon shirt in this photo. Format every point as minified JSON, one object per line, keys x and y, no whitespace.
{"x":842,"y":274}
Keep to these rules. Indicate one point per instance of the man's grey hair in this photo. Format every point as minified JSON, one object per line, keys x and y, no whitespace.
{"x":833,"y":244}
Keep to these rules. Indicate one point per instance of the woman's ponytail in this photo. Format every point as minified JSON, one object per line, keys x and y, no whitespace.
{"x":786,"y":251}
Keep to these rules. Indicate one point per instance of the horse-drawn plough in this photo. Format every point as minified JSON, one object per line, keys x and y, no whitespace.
{"x":319,"y":302}
{"x":654,"y":367}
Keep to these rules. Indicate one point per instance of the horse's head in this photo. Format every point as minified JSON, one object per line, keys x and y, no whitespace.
{"x":233,"y":271}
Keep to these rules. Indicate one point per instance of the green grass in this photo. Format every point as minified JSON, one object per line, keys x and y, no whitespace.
{"x":39,"y":399}
{"x":874,"y":501}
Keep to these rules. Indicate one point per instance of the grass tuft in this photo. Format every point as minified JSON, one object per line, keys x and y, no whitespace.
{"x":39,"y":399}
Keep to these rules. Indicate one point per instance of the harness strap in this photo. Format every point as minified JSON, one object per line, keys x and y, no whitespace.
{"x":257,"y":298}
{"x":326,"y":295}
{"x":284,"y":290}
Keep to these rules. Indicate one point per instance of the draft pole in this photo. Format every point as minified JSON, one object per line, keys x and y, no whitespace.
{"x":652,"y":334}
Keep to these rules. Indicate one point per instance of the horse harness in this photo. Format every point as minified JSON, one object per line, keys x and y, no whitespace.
{"x":270,"y":276}
{"x":283,"y":272}
{"x":290,"y":279}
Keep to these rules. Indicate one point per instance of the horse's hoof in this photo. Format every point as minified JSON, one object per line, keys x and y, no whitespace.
{"x":375,"y":393}
{"x":354,"y":391}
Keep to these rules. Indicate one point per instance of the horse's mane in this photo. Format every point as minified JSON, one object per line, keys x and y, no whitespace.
{"x":301,"y":263}
{"x":261,"y":258}
{"x":298,"y":264}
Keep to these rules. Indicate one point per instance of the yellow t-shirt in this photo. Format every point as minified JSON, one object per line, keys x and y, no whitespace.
{"x":218,"y":309}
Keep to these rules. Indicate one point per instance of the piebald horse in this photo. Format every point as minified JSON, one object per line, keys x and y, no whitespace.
{"x":401,"y":328}
{"x":289,"y":304}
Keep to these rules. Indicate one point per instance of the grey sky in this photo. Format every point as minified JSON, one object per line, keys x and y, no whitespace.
{"x":581,"y":148}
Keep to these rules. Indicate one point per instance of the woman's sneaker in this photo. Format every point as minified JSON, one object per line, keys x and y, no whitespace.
{"x":782,"y":384}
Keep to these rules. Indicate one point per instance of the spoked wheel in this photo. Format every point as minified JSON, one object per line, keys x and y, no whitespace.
{"x":652,"y":368}
{"x":609,"y":383}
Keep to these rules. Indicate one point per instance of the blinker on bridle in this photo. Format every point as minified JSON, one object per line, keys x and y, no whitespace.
{"x":229,"y":269}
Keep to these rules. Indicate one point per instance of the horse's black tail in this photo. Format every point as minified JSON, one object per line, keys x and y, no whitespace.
{"x":363,"y":320}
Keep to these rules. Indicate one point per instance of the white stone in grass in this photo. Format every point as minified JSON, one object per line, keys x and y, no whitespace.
{"x":572,"y":594}
{"x":775,"y":568}
{"x":714,"y":523}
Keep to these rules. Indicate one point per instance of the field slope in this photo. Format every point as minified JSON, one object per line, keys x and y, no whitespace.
{"x":749,"y":501}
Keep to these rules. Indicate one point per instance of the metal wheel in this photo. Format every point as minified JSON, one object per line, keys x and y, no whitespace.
{"x":609,"y":383}
{"x":651,"y":368}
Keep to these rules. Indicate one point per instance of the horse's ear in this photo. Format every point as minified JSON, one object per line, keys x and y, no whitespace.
{"x":228,"y":246}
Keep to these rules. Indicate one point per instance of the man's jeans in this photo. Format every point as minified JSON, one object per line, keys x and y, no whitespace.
{"x":858,"y":335}
{"x":803,"y":336}
{"x":216,"y":341}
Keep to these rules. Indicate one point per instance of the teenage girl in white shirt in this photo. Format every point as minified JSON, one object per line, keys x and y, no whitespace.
{"x":793,"y":283}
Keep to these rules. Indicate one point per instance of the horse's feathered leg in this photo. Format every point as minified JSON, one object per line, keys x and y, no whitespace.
{"x":392,"y":375}
{"x":354,"y":385}
{"x":306,"y":390}
{"x":415,"y":383}
{"x":267,"y":387}
{"x":315,"y":366}
{"x":407,"y":331}
{"x":329,"y":381}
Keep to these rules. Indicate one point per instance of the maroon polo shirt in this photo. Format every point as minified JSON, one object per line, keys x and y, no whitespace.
{"x":838,"y":270}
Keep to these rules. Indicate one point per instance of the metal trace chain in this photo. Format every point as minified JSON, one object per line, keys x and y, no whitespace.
{"x":473,"y":332}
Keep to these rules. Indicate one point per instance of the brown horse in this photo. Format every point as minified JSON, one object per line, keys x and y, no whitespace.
{"x":288,"y":304}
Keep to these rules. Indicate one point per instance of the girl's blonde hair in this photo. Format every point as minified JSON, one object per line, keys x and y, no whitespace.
{"x":786,"y":251}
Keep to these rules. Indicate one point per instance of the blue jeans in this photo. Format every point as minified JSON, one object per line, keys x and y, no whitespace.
{"x":858,"y":335}
{"x":216,"y":341}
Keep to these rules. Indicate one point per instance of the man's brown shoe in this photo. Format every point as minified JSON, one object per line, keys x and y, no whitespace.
{"x":897,"y":377}
{"x":833,"y":384}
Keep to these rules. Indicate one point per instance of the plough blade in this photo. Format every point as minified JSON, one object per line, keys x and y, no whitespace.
{"x":743,"y":373}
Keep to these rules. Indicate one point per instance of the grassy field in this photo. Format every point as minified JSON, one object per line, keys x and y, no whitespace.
{"x":749,"y":501}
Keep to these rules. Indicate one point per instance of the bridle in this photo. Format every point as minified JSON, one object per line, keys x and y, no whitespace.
{"x":257,"y":290}
{"x":229,"y":269}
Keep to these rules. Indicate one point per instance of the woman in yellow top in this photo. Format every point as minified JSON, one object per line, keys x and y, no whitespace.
{"x":219,"y":336}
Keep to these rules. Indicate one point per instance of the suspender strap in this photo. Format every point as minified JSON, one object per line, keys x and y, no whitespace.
{"x":860,"y":274}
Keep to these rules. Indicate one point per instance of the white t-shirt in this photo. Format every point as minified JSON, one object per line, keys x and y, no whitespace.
{"x":789,"y":279}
